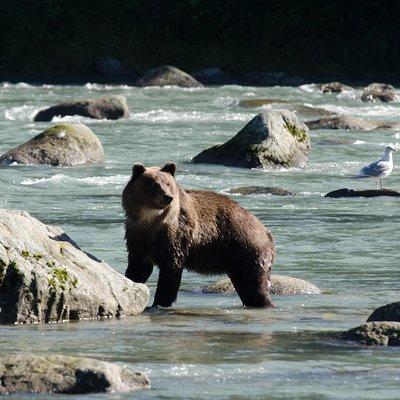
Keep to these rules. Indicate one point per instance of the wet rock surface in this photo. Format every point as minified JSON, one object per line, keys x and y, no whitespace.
{"x":389,"y":312}
{"x":343,"y":122}
{"x":280,"y":285}
{"x":335,"y":87}
{"x":108,"y":107}
{"x":60,"y":145}
{"x":64,"y":374}
{"x":246,"y":190}
{"x":374,"y":334}
{"x":362,"y":193}
{"x":275,"y":138}
{"x":46,"y":277}
{"x":167,"y":75}
{"x":378,"y":91}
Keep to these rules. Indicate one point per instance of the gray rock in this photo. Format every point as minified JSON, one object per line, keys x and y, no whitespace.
{"x":214,"y":76}
{"x":362,"y":193}
{"x":64,"y":374}
{"x":46,"y":277}
{"x":280,"y":285}
{"x":335,"y":87}
{"x":167,"y":76}
{"x":108,"y":107}
{"x":271,"y":139}
{"x":309,"y":111}
{"x":390,"y":312}
{"x":60,"y":145}
{"x":378,"y":91}
{"x":277,"y":191}
{"x":342,"y":122}
{"x":254,"y":103}
{"x":374,"y":334}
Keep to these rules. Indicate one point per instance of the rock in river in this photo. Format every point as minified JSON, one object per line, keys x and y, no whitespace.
{"x":390,"y":312}
{"x":375,"y":334}
{"x":277,"y":191}
{"x":335,"y":87}
{"x":60,"y":145}
{"x":167,"y":76}
{"x":108,"y":107}
{"x":46,"y":277}
{"x":342,"y":122}
{"x":362,"y":193}
{"x":280,"y":285}
{"x":65,"y":374}
{"x":275,"y":138}
{"x":378,"y":91}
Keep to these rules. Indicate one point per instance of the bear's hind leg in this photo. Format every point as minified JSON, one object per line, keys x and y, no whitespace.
{"x":252,"y":286}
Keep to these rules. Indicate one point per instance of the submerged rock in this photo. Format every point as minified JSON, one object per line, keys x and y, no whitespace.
{"x":46,"y":277}
{"x":378,"y":91}
{"x":60,"y":145}
{"x":362,"y":193}
{"x":64,"y":374}
{"x":271,"y":139}
{"x":390,"y":312}
{"x":375,"y":334}
{"x":309,"y":111}
{"x":214,"y":76}
{"x":280,"y":285}
{"x":342,"y":122}
{"x":108,"y":107}
{"x":167,"y":76}
{"x":254,"y":103}
{"x":335,"y":87}
{"x":277,"y":191}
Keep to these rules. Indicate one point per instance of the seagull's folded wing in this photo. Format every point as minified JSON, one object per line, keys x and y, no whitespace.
{"x":375,"y":169}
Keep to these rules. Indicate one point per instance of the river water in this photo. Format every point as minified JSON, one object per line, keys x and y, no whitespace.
{"x":208,"y":346}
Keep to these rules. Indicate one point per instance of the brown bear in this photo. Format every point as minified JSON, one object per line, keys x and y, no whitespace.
{"x":201,"y":231}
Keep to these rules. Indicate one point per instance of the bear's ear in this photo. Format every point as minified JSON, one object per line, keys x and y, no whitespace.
{"x":137,"y":170}
{"x":170,"y":168}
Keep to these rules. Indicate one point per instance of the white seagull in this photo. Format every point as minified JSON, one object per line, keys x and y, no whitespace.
{"x":380,"y":169}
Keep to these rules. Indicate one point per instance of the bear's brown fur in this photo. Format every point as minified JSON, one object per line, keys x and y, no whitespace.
{"x":198,"y":230}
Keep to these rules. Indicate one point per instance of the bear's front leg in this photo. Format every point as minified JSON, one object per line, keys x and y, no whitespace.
{"x":168,"y":284}
{"x":138,"y":269}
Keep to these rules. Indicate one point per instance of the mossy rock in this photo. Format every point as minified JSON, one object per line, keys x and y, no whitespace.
{"x":254,"y":103}
{"x":247,"y":190}
{"x":60,"y":145}
{"x":108,"y":107}
{"x":274,"y":138}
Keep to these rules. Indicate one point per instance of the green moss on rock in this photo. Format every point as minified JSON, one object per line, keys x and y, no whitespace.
{"x":299,"y":134}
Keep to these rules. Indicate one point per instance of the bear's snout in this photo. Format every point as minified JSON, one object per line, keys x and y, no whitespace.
{"x":167,"y":199}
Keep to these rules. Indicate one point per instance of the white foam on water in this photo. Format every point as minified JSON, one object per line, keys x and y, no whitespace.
{"x":225,"y":101}
{"x":21,"y":113}
{"x":162,"y":115}
{"x":92,"y":180}
{"x":309,"y":88}
{"x":367,"y":110}
{"x":357,"y":142}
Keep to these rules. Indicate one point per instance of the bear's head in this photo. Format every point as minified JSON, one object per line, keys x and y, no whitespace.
{"x":150,"y":189}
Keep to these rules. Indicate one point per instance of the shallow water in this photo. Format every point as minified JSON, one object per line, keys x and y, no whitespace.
{"x":208,"y":345}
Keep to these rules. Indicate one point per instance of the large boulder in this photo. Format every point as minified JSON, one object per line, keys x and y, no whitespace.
{"x":275,"y":138}
{"x":374,"y":334}
{"x":390,"y":312}
{"x":342,"y":122}
{"x":108,"y":107}
{"x":64,"y":374}
{"x":167,"y":76}
{"x":60,"y":145}
{"x":46,"y":277}
{"x":280,"y":285}
{"x":335,"y":87}
{"x":378,"y":91}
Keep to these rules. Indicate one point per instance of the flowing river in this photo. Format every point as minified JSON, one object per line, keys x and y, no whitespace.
{"x":208,"y":345}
